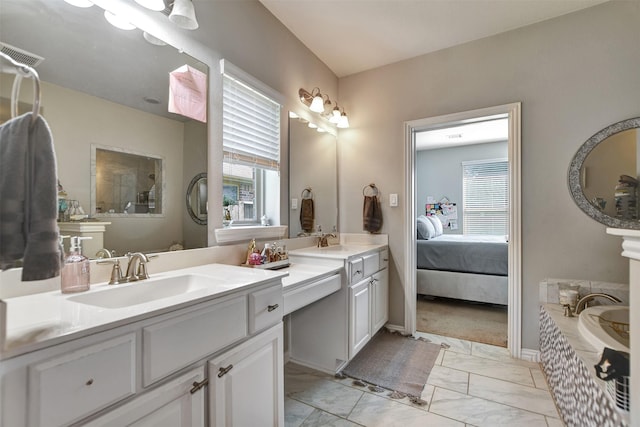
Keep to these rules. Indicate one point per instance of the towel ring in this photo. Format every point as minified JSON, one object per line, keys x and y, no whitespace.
{"x":24,"y":71}
{"x":373,"y":188}
{"x":307,"y":193}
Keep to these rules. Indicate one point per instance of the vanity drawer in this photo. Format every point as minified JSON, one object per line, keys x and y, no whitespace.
{"x":173,"y":344}
{"x":69,"y":387}
{"x":356,"y":270}
{"x":371,"y":263}
{"x":312,"y":292}
{"x":265,"y":308}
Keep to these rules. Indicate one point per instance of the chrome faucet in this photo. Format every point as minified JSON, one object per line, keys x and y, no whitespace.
{"x":322,"y":240}
{"x":582,"y":303}
{"x":137,"y":267}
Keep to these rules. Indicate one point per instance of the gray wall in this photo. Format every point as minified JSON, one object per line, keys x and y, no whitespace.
{"x":439,"y":173}
{"x":574,"y":75}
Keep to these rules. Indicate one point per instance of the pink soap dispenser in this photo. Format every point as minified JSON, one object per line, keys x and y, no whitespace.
{"x":75,"y":273}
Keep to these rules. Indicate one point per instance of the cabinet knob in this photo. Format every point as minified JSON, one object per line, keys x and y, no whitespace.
{"x":270,"y":308}
{"x":357,"y":272}
{"x":223,"y":371}
{"x":89,"y":381}
{"x":198,"y":385}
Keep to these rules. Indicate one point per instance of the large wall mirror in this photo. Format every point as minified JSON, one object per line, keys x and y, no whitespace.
{"x":313,"y":174}
{"x":108,"y":88}
{"x":604,"y":175}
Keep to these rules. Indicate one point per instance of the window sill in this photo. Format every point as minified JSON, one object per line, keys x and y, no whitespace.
{"x":244,"y":233}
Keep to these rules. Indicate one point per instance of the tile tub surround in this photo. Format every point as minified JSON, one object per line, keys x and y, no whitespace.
{"x":471,"y":383}
{"x":568,"y":361}
{"x":549,"y":289}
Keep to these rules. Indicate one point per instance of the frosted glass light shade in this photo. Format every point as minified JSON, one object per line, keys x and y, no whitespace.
{"x":317,"y":105}
{"x":344,"y":121}
{"x":152,"y":39}
{"x":157,"y":5}
{"x":183,"y":15}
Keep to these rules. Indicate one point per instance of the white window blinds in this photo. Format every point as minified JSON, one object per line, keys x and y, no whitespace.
{"x":485,"y":197}
{"x":251,"y":125}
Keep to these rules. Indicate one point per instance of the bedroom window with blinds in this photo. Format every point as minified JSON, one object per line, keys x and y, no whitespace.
{"x":485,"y":197}
{"x":251,"y":142}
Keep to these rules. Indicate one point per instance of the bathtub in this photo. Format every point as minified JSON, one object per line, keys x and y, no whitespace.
{"x":603,"y":326}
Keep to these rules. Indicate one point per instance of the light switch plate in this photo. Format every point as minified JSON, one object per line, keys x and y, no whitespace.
{"x":294,"y":203}
{"x":393,"y":200}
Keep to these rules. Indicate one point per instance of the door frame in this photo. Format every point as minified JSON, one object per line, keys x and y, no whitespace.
{"x":513,"y":111}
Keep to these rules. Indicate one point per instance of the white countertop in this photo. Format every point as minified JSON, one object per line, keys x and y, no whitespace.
{"x":37,"y":321}
{"x":342,"y":251}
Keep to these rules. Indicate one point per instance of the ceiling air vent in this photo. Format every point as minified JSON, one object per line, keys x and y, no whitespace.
{"x":20,"y":55}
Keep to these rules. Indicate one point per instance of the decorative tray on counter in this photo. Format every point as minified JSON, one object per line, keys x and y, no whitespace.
{"x":276,"y":265}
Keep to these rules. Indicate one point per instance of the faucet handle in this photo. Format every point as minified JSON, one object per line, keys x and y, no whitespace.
{"x":116,"y":271}
{"x":142,"y":268}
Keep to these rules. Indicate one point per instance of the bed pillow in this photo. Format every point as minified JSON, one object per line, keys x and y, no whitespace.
{"x":437,"y":225}
{"x":426,"y":230}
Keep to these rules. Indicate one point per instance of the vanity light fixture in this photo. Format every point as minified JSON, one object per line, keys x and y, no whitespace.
{"x":80,"y":3}
{"x":183,"y":14}
{"x":312,"y":125}
{"x":118,"y":21}
{"x":335,"y":115}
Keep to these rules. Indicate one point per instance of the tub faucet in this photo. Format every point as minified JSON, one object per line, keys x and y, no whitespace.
{"x":582,"y":303}
{"x":322,"y":240}
{"x":137,"y":267}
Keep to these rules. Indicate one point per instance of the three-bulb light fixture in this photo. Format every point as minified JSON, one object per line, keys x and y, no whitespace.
{"x":180,"y":12}
{"x":319,"y":103}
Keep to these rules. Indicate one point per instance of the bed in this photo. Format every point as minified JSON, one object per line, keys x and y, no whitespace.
{"x":473,"y":268}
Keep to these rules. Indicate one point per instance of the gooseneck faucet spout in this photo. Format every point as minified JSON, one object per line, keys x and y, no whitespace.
{"x":137,"y":267}
{"x":582,"y":304}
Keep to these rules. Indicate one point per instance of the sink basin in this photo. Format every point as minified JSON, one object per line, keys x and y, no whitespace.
{"x":126,"y":295}
{"x":605,"y":326}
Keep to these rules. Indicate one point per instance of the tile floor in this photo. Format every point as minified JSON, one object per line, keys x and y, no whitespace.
{"x":471,"y":384}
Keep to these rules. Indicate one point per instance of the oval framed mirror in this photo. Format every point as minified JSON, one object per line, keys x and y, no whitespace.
{"x":197,"y":199}
{"x":603,"y":175}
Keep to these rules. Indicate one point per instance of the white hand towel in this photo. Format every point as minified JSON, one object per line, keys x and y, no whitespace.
{"x":28,"y":199}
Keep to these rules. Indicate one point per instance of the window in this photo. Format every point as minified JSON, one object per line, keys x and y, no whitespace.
{"x":485,"y":197}
{"x":251,"y":141}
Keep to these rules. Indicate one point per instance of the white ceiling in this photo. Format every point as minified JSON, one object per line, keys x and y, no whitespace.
{"x":351,"y":36}
{"x":487,"y":129}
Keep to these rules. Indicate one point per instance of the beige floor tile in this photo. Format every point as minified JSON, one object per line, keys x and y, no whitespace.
{"x":488,"y":368}
{"x":481,"y":412}
{"x":323,"y":419}
{"x":450,"y":379}
{"x":373,"y":411}
{"x":501,"y":354}
{"x":554,"y":422}
{"x":328,"y":396}
{"x":539,"y":379}
{"x":508,"y":393}
{"x":295,"y":412}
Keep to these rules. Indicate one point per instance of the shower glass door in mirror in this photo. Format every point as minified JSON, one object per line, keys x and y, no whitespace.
{"x":125,"y":183}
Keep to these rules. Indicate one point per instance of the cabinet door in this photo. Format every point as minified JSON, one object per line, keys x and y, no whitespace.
{"x":380,"y":299}
{"x":359,"y":317}
{"x":174,"y":404}
{"x":247,"y":384}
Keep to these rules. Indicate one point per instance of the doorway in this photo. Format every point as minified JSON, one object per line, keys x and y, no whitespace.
{"x":413,"y":129}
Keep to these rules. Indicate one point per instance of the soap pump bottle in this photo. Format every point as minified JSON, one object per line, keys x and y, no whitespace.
{"x":75,"y":273}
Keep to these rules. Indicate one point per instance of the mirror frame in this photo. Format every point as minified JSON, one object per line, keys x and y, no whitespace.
{"x":575,"y":174}
{"x":196,"y":179}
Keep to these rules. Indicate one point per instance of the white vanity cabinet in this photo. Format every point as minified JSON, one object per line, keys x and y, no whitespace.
{"x":368,"y":298}
{"x":163,"y":370}
{"x":327,"y":334}
{"x":246,"y":385}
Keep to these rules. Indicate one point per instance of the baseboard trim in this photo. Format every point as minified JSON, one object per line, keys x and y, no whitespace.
{"x":530,"y":355}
